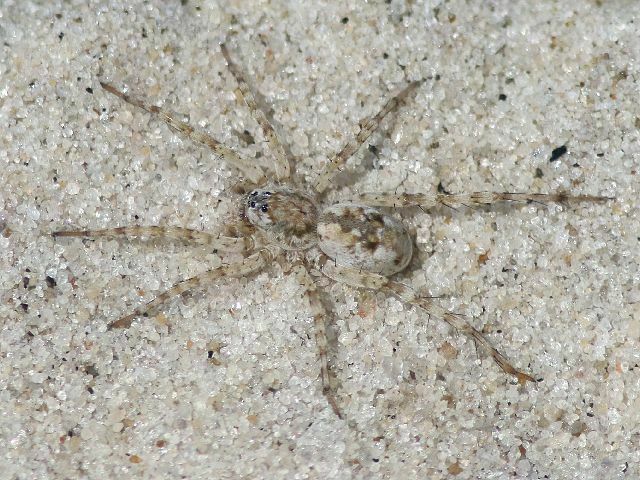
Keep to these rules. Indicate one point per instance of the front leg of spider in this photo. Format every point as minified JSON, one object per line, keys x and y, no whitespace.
{"x":251,"y":264}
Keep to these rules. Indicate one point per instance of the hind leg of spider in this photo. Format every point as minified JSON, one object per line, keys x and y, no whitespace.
{"x":247,"y":166}
{"x":367,"y":127}
{"x":248,"y":265}
{"x":243,"y":92}
{"x":459,"y":323}
{"x":360,"y":279}
{"x":428,"y":200}
{"x":217,"y":242}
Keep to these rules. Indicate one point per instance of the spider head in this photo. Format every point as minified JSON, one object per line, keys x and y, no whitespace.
{"x":257,"y":208}
{"x":289,"y":217}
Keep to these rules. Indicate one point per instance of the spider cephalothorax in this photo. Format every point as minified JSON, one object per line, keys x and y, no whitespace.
{"x":287,"y":216}
{"x":360,"y":245}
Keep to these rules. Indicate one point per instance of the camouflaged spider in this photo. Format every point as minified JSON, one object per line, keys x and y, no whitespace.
{"x":355,"y":243}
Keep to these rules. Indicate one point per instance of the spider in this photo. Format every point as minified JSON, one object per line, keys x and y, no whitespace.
{"x":356,"y":243}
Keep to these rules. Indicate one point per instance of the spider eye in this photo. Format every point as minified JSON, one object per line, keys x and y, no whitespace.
{"x":264,"y":208}
{"x":253,"y":194}
{"x":252,"y":204}
{"x":268,"y":194}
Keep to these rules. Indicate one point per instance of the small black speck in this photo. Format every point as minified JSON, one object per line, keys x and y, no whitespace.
{"x":89,"y":90}
{"x":600,"y":155}
{"x":345,"y":20}
{"x":576,"y":165}
{"x":90,"y":390}
{"x":25,"y":306}
{"x":144,"y":32}
{"x":385,"y":55}
{"x":437,"y":77}
{"x":61,"y":35}
{"x":376,"y":460}
{"x":556,"y":153}
{"x":136,"y":217}
{"x":32,"y":84}
{"x":51,"y":282}
{"x":502,"y":97}
{"x":589,"y":414}
{"x":539,"y":173}
{"x":498,"y":331}
{"x":441,"y":188}
{"x":25,"y":282}
{"x":210,"y":354}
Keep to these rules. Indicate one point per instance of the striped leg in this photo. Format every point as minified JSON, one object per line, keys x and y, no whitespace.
{"x":320,"y":326}
{"x":281,"y":166}
{"x":217,"y":242}
{"x":428,"y":200}
{"x":367,"y":127}
{"x":362,"y":279}
{"x":458,"y":322}
{"x":249,"y":265}
{"x":247,"y":166}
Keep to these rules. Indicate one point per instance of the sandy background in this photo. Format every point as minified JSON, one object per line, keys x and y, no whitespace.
{"x":231,"y":389}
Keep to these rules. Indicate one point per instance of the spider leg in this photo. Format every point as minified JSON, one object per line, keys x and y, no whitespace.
{"x":320,"y":326}
{"x":248,"y":265}
{"x":367,"y":127}
{"x":246,"y":166}
{"x":459,"y":323}
{"x":217,"y":242}
{"x":360,"y":279}
{"x":281,"y":165}
{"x":429,"y":200}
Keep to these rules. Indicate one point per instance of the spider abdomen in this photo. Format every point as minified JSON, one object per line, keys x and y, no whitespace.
{"x":362,"y":237}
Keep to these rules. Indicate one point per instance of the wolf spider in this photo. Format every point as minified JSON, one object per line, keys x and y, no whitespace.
{"x":354,"y":243}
